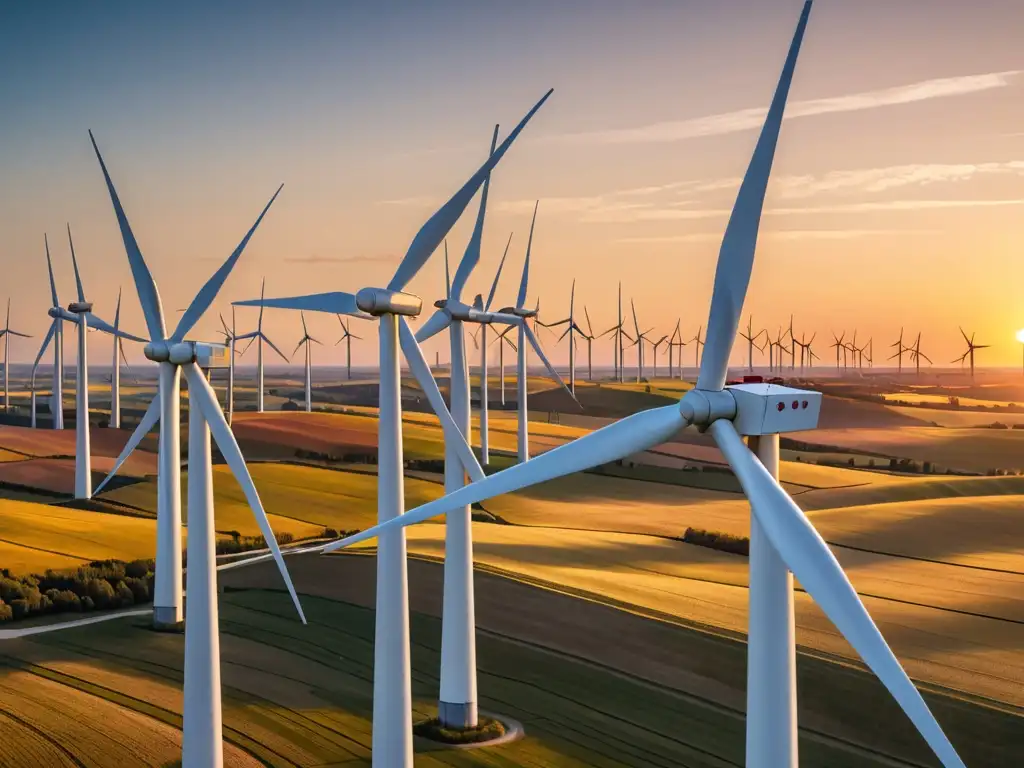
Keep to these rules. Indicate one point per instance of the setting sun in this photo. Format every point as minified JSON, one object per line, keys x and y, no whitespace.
{"x":1020,"y":335}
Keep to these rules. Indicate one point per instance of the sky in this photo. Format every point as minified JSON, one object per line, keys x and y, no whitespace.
{"x":895,"y":201}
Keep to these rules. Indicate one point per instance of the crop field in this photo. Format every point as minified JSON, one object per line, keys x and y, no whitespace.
{"x":959,"y":419}
{"x":40,"y":536}
{"x":973,"y":450}
{"x":954,"y":627}
{"x":925,"y":399}
{"x":298,"y":499}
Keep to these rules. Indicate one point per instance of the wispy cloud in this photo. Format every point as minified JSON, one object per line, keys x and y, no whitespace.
{"x":421,"y":201}
{"x":748,"y":119}
{"x":316,"y":259}
{"x":875,"y":180}
{"x":788,"y":234}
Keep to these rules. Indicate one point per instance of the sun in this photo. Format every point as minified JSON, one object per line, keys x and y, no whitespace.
{"x":1020,"y":335}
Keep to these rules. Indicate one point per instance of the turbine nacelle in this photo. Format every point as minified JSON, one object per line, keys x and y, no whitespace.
{"x":755,"y":409}
{"x":518,"y":311}
{"x":205,"y":354}
{"x":381,"y":301}
{"x":80,"y":307}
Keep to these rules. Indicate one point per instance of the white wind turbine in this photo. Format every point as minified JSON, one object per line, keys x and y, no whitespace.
{"x":259,"y":337}
{"x":6,"y":333}
{"x":639,"y":343}
{"x":392,"y":696}
{"x":308,"y":341}
{"x":783,"y":542}
{"x":56,"y":333}
{"x":115,"y":369}
{"x":571,"y":330}
{"x":347,"y":336}
{"x":458,"y":704}
{"x":230,"y":339}
{"x":485,"y":450}
{"x":165,"y":408}
{"x":502,"y":339}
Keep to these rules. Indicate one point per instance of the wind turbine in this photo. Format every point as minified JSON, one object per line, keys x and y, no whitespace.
{"x":898,"y":354}
{"x":457,"y":706}
{"x":171,"y":353}
{"x":571,"y":330}
{"x":654,"y":347}
{"x":752,"y":338}
{"x":347,"y":336}
{"x":672,"y":348}
{"x":485,"y":431}
{"x":308,"y":341}
{"x":230,"y":339}
{"x":501,"y":339}
{"x":971,"y":347}
{"x":837,"y":342}
{"x":115,"y":369}
{"x":589,"y":336}
{"x":916,"y":354}
{"x":56,"y":332}
{"x":6,"y":334}
{"x":792,"y":346}
{"x":259,"y":337}
{"x":781,"y":534}
{"x":639,"y":343}
{"x":697,"y":349}
{"x":392,"y":697}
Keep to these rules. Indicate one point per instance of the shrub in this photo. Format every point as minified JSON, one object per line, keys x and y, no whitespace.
{"x":19,"y":608}
{"x":11,"y":590}
{"x":123,"y":596}
{"x":6,"y":614}
{"x":65,"y":601}
{"x":328,"y":533}
{"x":88,"y":604}
{"x":486,"y":730}
{"x":101,"y":593}
{"x":723,"y":542}
{"x":139,"y":589}
{"x":138,"y":569}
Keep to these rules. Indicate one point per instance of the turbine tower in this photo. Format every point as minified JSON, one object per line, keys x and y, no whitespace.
{"x":165,"y":407}
{"x":839,"y":345}
{"x":971,"y":348}
{"x":502,"y":339}
{"x":697,"y":349}
{"x":485,"y":431}
{"x":392,"y":697}
{"x":83,"y":458}
{"x":6,"y":333}
{"x":308,"y":341}
{"x":571,"y":330}
{"x":782,"y":537}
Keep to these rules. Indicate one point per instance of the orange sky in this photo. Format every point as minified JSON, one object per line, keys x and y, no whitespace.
{"x":896,"y":197}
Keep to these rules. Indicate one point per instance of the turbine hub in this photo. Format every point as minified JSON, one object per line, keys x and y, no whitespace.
{"x":701,"y":407}
{"x":54,"y":312}
{"x":380,"y":301}
{"x":157,"y":351}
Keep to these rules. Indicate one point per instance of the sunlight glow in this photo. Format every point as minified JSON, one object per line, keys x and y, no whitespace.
{"x":1020,"y":335}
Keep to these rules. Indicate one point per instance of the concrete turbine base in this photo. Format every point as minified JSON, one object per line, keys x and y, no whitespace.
{"x":165,"y":617}
{"x":457,"y":715}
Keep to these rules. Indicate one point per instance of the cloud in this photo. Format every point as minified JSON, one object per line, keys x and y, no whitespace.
{"x":874,"y":180}
{"x":787,"y":235}
{"x":752,"y":118}
{"x":420,"y":201}
{"x":315,"y":259}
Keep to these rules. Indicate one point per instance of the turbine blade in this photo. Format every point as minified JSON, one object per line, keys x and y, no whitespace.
{"x":471,"y":256}
{"x":421,"y":370}
{"x":438,"y":225}
{"x":274,"y":347}
{"x":625,"y":437}
{"x":149,"y":420}
{"x":590,"y":328}
{"x":544,"y":359}
{"x":497,"y":276}
{"x":44,"y":345}
{"x":736,"y":257}
{"x":223,"y":324}
{"x":99,"y":324}
{"x":813,"y":564}
{"x":447,"y":273}
{"x":74,"y":262}
{"x":49,"y":266}
{"x":206,"y":400}
{"x":437,"y":323}
{"x":521,"y":299}
{"x":208,"y":292}
{"x":149,"y":296}
{"x":334,"y":302}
